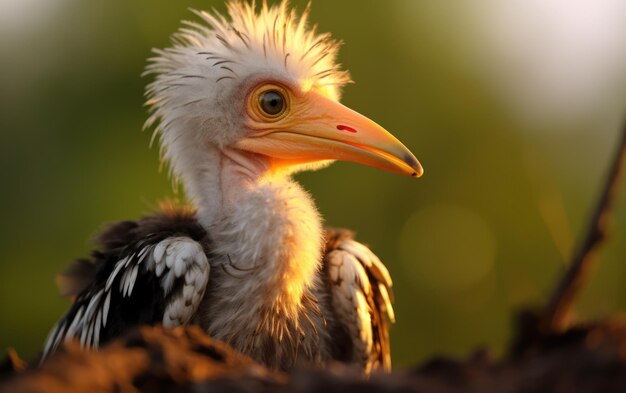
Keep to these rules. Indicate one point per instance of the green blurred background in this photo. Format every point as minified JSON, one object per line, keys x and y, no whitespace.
{"x":513,"y":119}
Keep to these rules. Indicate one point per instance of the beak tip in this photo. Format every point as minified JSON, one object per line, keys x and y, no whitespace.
{"x":418,"y":170}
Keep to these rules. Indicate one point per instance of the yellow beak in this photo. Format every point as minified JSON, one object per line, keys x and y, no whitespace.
{"x":322,"y":129}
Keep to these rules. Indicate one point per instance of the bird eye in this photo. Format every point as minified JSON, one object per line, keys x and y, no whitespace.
{"x":272,"y":103}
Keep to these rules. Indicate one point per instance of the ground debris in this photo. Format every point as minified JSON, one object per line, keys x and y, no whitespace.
{"x":585,"y":358}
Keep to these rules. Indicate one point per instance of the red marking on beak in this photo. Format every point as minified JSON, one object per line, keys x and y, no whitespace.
{"x":341,"y":127}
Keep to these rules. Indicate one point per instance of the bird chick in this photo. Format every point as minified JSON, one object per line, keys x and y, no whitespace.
{"x":239,"y":103}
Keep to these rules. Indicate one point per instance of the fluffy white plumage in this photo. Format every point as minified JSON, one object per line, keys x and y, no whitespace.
{"x":210,"y":67}
{"x":197,"y":99}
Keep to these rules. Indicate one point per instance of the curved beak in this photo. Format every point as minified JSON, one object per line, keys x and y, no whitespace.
{"x":319,"y":128}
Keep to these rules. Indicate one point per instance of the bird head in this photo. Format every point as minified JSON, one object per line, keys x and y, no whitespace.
{"x":264,"y":83}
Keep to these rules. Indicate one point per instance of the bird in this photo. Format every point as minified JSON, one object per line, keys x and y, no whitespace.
{"x":239,"y":102}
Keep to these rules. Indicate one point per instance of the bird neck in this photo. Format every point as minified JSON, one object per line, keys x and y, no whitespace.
{"x":265,"y":229}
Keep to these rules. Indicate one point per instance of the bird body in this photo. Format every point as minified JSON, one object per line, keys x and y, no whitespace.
{"x":240,"y":105}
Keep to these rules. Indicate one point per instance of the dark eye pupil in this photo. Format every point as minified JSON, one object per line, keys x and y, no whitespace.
{"x":272,"y":102}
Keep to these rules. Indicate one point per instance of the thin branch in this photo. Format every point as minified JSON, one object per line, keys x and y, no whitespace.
{"x":555,"y":315}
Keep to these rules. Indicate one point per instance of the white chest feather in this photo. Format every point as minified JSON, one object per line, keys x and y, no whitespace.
{"x":267,"y":246}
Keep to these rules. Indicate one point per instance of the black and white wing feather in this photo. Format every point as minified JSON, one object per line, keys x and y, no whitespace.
{"x":154,"y":270}
{"x":358,"y":289}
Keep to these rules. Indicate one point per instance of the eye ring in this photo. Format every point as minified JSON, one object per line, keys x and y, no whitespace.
{"x":269,"y":103}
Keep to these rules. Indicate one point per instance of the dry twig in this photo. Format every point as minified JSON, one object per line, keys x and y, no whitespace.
{"x":555,"y":315}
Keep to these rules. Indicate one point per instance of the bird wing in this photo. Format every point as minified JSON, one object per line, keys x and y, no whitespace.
{"x":154,"y":270}
{"x":358,"y":289}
